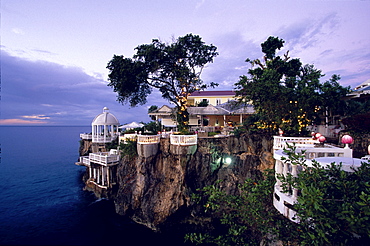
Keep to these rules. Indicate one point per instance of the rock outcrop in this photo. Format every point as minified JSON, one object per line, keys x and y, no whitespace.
{"x":156,"y":185}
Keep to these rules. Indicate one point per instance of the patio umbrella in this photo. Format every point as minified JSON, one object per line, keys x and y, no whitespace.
{"x":131,"y":125}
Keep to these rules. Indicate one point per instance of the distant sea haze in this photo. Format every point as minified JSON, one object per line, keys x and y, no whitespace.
{"x":42,"y":197}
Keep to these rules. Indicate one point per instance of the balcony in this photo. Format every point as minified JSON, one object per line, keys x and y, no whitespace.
{"x":86,"y":136}
{"x":128,"y":137}
{"x":300,"y":142}
{"x":323,"y":154}
{"x":103,"y":139}
{"x":183,"y":140}
{"x":148,"y":139}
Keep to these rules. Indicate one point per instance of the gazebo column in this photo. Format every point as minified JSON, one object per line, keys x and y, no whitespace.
{"x":105,"y":133}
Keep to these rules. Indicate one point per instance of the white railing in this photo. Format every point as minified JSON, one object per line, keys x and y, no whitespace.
{"x":283,"y":201}
{"x":281,"y":142}
{"x":103,"y":139}
{"x":148,"y":139}
{"x":103,"y":158}
{"x":86,"y":136}
{"x":127,"y":137}
{"x":184,"y":139}
{"x":332,"y":151}
{"x":85,"y":160}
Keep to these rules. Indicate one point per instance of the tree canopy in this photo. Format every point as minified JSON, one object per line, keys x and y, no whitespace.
{"x":174,"y":69}
{"x":285,"y":93}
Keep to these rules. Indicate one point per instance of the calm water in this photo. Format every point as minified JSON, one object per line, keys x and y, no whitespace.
{"x":41,"y":196}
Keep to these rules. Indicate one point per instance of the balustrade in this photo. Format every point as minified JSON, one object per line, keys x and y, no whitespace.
{"x":86,"y":136}
{"x":281,"y":142}
{"x":184,"y":139}
{"x":148,"y":139}
{"x":284,"y":201}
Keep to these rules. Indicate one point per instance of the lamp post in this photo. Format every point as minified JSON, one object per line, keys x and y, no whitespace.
{"x":347,"y":139}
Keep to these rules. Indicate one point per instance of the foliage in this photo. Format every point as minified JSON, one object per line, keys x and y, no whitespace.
{"x":333,"y":208}
{"x":152,"y":108}
{"x":285,"y":93}
{"x":246,"y":218}
{"x":211,"y":134}
{"x":174,"y":69}
{"x":153,"y":127}
{"x":359,"y":124}
{"x":333,"y":205}
{"x":203,"y":103}
{"x":134,"y":130}
{"x":129,"y":148}
{"x":112,"y":145}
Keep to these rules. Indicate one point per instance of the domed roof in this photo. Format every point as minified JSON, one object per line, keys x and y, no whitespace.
{"x":105,"y":118}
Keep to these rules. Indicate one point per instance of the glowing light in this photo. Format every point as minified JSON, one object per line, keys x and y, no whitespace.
{"x":228,"y":160}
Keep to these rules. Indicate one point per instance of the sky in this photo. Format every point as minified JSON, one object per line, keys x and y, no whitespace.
{"x":54,"y":53}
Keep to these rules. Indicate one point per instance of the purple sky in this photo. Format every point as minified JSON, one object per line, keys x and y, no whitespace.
{"x":54,"y":53}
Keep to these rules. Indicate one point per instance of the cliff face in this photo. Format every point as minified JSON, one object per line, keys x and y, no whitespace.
{"x":157,"y":183}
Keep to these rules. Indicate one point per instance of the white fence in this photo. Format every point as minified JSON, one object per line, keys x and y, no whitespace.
{"x":184,"y":139}
{"x":148,"y":139}
{"x":103,"y":158}
{"x":281,"y":142}
{"x":283,"y":201}
{"x":127,"y":137}
{"x":86,"y":136}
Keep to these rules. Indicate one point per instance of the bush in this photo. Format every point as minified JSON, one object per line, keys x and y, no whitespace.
{"x":244,"y":219}
{"x":333,"y":206}
{"x":129,"y":149}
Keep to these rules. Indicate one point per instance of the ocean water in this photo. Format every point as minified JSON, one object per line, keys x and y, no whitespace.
{"x":42,"y":201}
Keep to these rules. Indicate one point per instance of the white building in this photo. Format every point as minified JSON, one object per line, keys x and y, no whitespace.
{"x":104,"y":127}
{"x":324,"y":154}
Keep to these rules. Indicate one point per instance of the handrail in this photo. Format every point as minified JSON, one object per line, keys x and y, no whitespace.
{"x":184,"y":140}
{"x":148,"y":139}
{"x":86,"y":136}
{"x":281,"y":142}
{"x":326,"y":155}
{"x":128,"y":137}
{"x":102,"y":139}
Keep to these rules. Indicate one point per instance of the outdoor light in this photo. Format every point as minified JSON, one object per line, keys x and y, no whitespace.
{"x":347,"y":139}
{"x":228,"y":160}
{"x":322,"y":139}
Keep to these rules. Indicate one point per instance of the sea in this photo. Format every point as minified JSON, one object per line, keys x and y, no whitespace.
{"x":42,"y":201}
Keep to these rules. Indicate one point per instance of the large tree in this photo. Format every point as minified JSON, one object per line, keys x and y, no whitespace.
{"x":285,"y":93}
{"x":174,"y":69}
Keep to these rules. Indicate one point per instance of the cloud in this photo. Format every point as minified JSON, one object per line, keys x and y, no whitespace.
{"x":309,"y":32}
{"x":36,"y":117}
{"x":21,"y":122}
{"x":42,"y":92}
{"x":18,"y":31}
{"x":230,"y":64}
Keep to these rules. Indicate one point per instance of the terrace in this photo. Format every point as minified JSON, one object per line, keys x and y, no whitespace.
{"x":148,"y":139}
{"x":313,"y":150}
{"x":183,"y":140}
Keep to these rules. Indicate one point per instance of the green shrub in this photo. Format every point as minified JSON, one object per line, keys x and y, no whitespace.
{"x":129,"y":149}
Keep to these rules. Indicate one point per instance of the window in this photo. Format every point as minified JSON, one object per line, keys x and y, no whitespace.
{"x":218,"y":101}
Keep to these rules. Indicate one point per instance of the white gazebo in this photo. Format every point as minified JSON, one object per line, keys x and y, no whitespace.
{"x":104,"y":127}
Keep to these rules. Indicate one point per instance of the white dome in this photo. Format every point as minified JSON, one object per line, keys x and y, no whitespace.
{"x":105,"y":118}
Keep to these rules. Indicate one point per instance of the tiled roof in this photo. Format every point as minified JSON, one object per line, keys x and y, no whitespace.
{"x":212,"y":93}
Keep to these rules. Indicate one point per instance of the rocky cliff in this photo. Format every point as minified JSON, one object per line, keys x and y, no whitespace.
{"x":155,"y":186}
